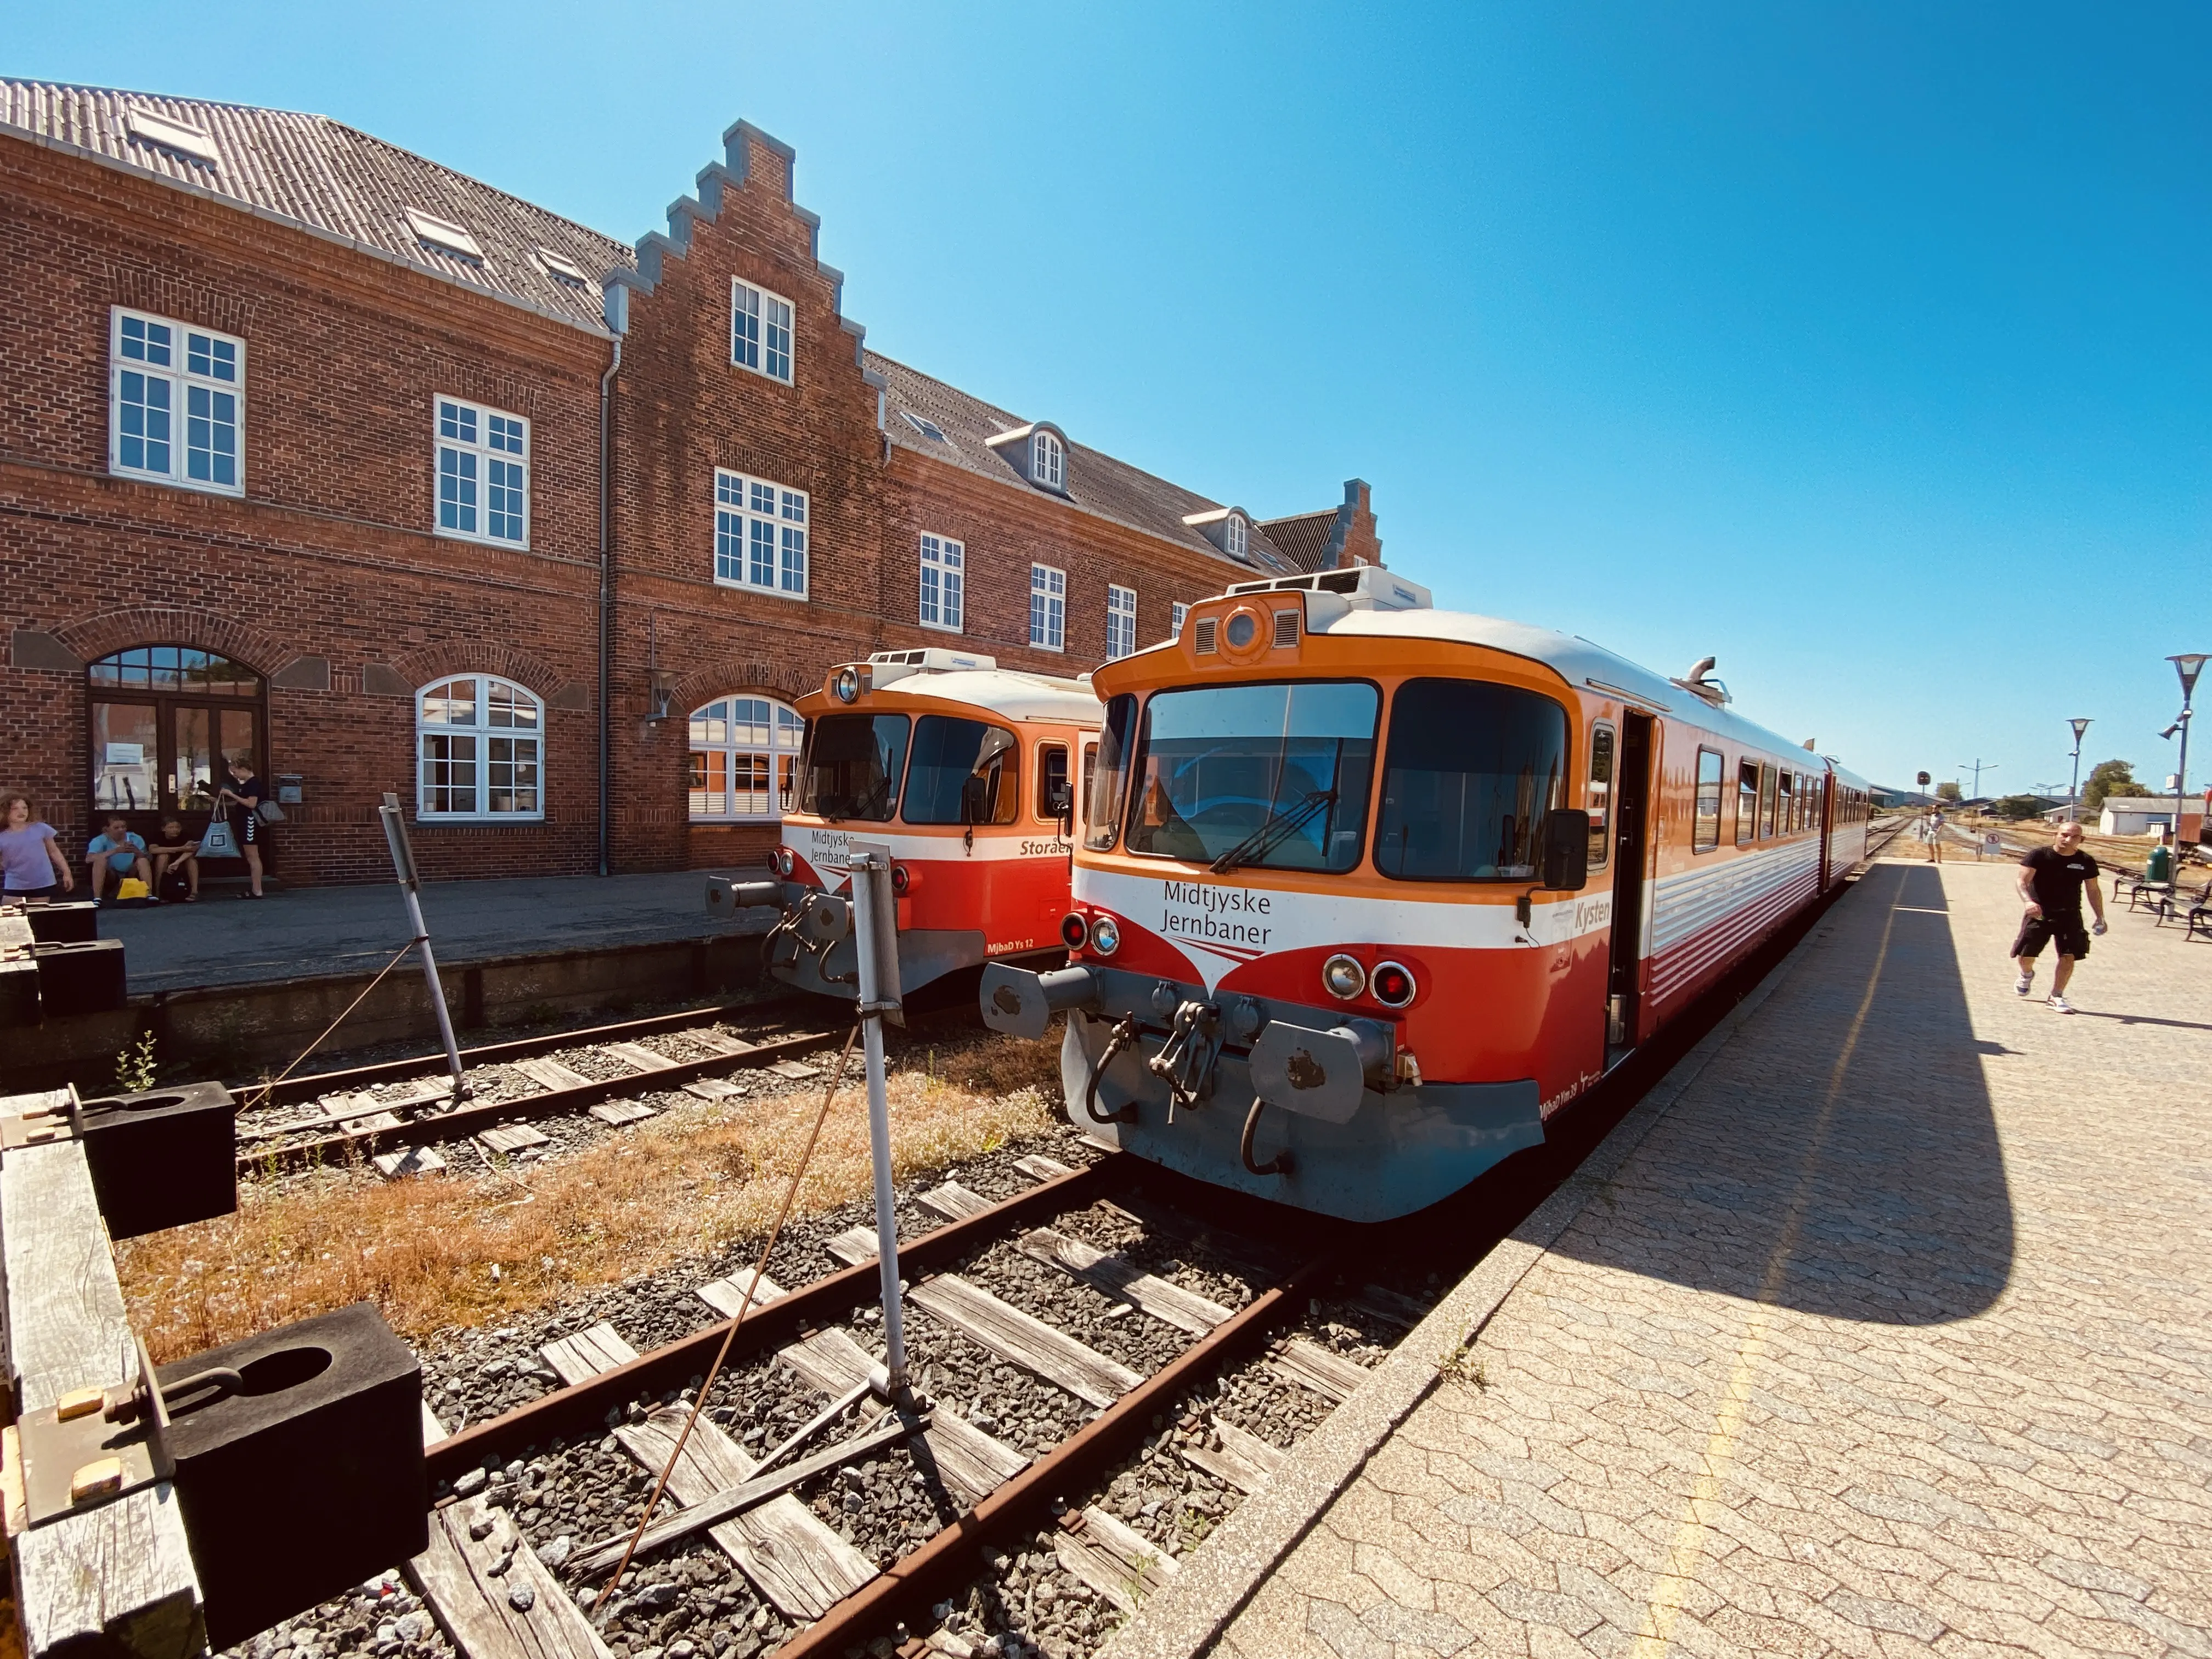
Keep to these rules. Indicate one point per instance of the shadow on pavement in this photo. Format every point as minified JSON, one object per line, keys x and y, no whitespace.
{"x":1840,"y":1157}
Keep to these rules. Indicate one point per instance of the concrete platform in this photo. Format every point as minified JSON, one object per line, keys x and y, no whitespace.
{"x":227,"y":940}
{"x":1883,"y":1326}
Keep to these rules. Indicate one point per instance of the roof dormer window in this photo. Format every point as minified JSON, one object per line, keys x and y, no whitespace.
{"x":1048,"y":461}
{"x":1229,"y":528}
{"x":1237,"y":537}
{"x":443,"y":235}
{"x":158,"y":130}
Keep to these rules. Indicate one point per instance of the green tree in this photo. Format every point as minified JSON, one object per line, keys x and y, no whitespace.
{"x":2111,"y":777}
{"x":2014,"y":808}
{"x":1949,"y":792}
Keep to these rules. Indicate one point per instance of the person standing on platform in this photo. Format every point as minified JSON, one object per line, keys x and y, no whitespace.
{"x":241,"y":799}
{"x":29,"y":852}
{"x":2052,"y":882}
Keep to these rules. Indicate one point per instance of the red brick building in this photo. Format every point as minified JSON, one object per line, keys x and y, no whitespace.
{"x":316,"y":452}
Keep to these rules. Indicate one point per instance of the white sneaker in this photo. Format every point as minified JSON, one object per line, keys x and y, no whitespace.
{"x":2060,"y":1006}
{"x":2023,"y":985}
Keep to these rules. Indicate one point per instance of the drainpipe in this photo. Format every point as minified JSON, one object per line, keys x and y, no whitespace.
{"x":606,"y":600}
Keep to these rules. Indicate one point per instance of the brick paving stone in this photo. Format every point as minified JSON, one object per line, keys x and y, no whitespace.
{"x":1890,"y":1337}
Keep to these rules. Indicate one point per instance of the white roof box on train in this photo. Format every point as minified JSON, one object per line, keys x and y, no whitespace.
{"x":891,"y":665}
{"x":1362,"y":588}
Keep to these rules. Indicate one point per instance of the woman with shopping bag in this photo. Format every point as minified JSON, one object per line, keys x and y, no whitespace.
{"x":238,"y":802}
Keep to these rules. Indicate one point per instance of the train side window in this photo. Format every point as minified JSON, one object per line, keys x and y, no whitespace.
{"x":1768,"y":776}
{"x":1705,"y":831}
{"x":1785,"y":802}
{"x":1104,"y":813}
{"x":1601,"y":795}
{"x":1747,"y":803}
{"x":1052,"y":797}
{"x":963,"y":772}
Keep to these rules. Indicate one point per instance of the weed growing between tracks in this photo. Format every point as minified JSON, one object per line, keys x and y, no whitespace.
{"x":468,"y":1249}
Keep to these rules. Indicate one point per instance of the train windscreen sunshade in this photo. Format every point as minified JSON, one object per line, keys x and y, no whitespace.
{"x":1274,"y":776}
{"x":852,"y":767}
{"x":950,"y":752}
{"x":1472,"y":768}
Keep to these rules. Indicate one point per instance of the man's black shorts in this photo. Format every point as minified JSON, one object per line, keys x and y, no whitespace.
{"x":2037,"y":931}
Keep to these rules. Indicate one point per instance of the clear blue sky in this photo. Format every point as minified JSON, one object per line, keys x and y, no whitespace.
{"x":1865,"y":346}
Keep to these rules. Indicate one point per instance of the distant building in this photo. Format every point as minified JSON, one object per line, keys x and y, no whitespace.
{"x":2146,"y":815}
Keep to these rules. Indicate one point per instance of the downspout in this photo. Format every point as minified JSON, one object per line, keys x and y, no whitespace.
{"x":606,"y":600}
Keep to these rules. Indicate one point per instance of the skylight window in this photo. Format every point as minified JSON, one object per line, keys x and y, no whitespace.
{"x":928,"y":428}
{"x":442,"y":234}
{"x":562,"y":267}
{"x":148,"y":128}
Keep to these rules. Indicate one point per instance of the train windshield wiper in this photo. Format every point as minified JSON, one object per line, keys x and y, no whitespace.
{"x":1280,"y":825}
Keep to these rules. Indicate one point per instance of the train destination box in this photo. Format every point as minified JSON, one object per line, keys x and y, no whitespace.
{"x":309,"y":1478}
{"x":162,"y":1156}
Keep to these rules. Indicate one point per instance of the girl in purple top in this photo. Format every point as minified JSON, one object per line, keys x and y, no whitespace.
{"x":29,"y":854}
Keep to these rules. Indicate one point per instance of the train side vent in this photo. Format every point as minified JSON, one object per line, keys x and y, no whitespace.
{"x":1287,"y":629}
{"x":1202,"y":637}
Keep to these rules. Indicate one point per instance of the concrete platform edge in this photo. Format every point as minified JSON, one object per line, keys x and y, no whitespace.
{"x":1184,"y":1617}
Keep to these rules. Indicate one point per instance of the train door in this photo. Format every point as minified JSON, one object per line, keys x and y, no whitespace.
{"x":1631,"y":847}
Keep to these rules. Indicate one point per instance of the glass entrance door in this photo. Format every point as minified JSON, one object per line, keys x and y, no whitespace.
{"x":165,"y":721}
{"x":127,"y":759}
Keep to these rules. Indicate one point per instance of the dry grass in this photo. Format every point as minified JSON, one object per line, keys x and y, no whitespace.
{"x":691,"y":1181}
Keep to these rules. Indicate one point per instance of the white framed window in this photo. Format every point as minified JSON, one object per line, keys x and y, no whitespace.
{"x":479,"y":741}
{"x":744,"y":760}
{"x":760,"y":331}
{"x":944,"y":582}
{"x":1048,"y":461}
{"x":1177,"y":613}
{"x":760,"y":534}
{"x":1121,"y":621}
{"x":176,"y":403}
{"x":484,"y":473}
{"x":1047,"y":608}
{"x":1237,"y":537}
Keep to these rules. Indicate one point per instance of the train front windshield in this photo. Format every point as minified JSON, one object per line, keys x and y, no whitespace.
{"x":853,"y":766}
{"x":1273,"y":775}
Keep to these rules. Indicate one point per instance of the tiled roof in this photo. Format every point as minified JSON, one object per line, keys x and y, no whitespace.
{"x":1303,"y":537}
{"x":313,"y":172}
{"x":1096,"y":482}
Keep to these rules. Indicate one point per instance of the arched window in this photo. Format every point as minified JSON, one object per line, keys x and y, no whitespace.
{"x":165,"y":719}
{"x":744,"y":759}
{"x":480,"y":741}
{"x":1048,"y":461}
{"x":1237,"y":537}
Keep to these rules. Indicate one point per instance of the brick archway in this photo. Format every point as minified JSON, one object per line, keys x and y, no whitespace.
{"x":733,"y":677}
{"x":153,"y":624}
{"x":419,"y":668}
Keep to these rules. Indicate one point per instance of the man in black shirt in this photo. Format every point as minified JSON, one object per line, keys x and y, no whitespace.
{"x":2052,"y":882}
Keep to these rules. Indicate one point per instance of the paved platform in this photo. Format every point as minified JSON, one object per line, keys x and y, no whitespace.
{"x":1883,"y":1326}
{"x":227,"y":940}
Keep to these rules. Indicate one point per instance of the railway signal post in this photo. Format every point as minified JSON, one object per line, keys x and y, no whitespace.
{"x":875,"y":925}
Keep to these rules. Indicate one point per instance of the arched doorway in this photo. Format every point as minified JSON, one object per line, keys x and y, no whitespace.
{"x":165,"y":719}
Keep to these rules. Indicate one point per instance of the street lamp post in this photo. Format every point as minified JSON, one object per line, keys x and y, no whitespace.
{"x":2074,"y":796}
{"x":1978,"y":767}
{"x":2188,"y":665}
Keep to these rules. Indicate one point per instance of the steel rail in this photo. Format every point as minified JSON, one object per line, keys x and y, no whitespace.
{"x":906,"y":1589}
{"x":581,"y":1407}
{"x":309,"y":1086}
{"x":429,"y":1131}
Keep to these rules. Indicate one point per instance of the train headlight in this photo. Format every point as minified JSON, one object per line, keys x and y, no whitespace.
{"x":1243,"y":627}
{"x":1344,"y":976}
{"x":1105,"y":936}
{"x":785,"y":864}
{"x":846,"y":687}
{"x":1074,"y":931}
{"x":1393,"y":984}
{"x":903,"y":880}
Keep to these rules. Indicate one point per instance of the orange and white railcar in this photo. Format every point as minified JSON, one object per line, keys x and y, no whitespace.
{"x":1369,"y":891}
{"x":967,"y":775}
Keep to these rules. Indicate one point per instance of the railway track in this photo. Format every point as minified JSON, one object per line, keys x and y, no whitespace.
{"x":391,"y":1110}
{"x":1084,"y":1317}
